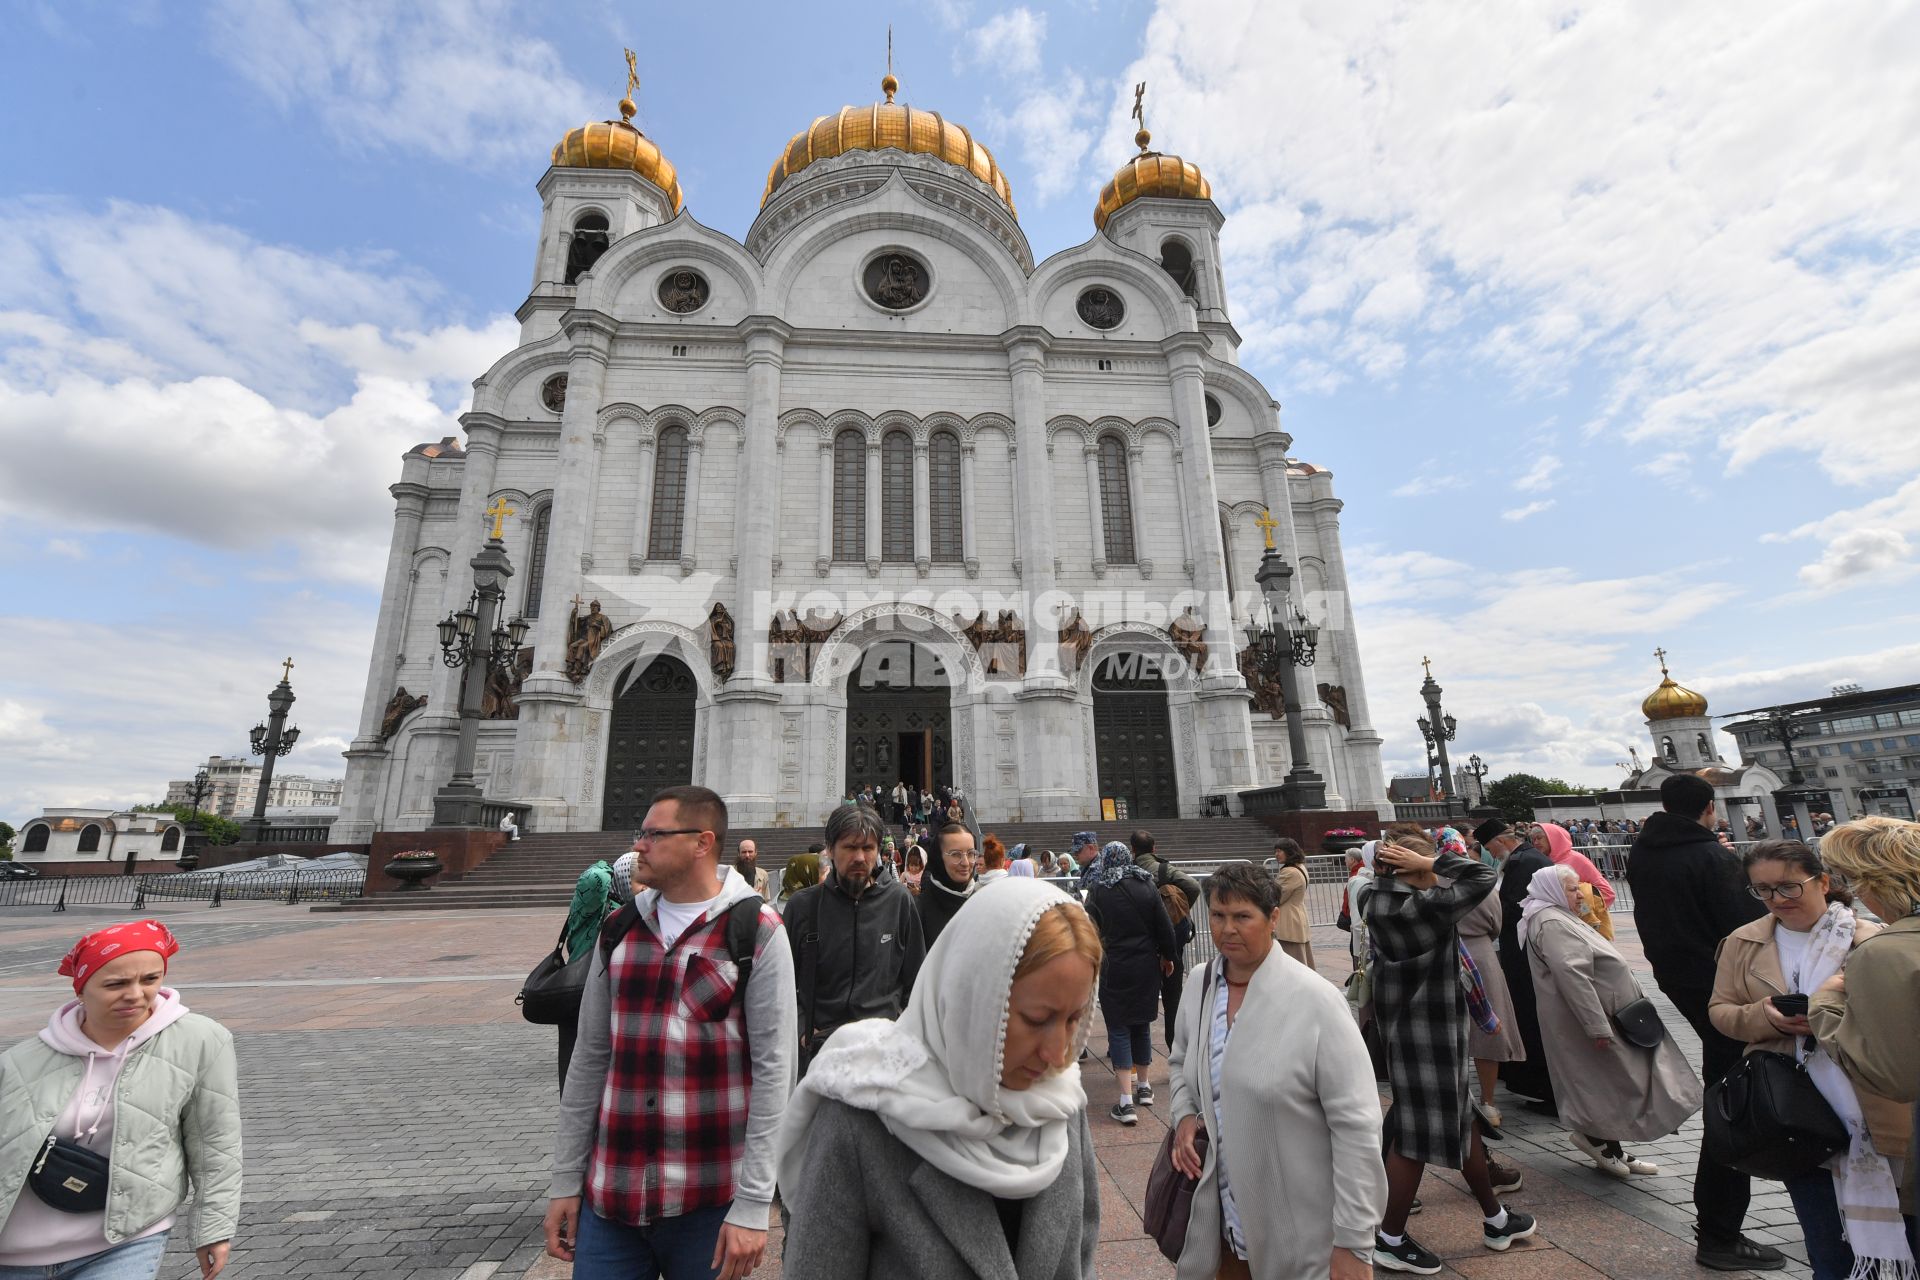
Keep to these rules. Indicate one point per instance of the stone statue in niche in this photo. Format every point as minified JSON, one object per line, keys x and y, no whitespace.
{"x":1009,"y":640}
{"x":1189,"y":637}
{"x":683,"y":291}
{"x":896,"y":281}
{"x":1335,"y":696}
{"x":498,"y":701}
{"x":586,"y":632}
{"x":553,"y":393}
{"x":1101,"y":308}
{"x":787,"y":651}
{"x":1265,"y":686}
{"x":1076,"y":642}
{"x":399,"y":707}
{"x":720,"y":652}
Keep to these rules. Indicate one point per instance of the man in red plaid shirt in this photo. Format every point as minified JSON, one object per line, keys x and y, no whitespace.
{"x":665,"y":1161}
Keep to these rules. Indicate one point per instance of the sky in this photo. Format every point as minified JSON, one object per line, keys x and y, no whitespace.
{"x":1606,"y":320}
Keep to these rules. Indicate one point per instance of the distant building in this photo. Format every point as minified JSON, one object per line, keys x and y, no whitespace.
{"x":1860,"y":746}
{"x":234,"y":786}
{"x":106,"y":835}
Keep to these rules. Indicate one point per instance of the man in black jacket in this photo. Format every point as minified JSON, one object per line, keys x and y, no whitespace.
{"x":1688,"y":894}
{"x":1518,"y":861}
{"x":1164,"y":873}
{"x":857,"y":944}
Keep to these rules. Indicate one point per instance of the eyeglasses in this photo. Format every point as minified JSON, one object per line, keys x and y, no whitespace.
{"x":1786,"y":890}
{"x":651,"y":834}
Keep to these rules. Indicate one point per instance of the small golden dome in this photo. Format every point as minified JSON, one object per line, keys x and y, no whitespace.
{"x":888,"y":126}
{"x":1671,"y":701}
{"x":1150,"y":174}
{"x":616,"y":144}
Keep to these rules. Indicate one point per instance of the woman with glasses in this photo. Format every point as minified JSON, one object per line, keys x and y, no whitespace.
{"x":1766,"y":971}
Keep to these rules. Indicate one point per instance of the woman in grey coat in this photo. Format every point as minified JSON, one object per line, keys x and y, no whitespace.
{"x":953,"y":1144}
{"x":1614,"y":1090}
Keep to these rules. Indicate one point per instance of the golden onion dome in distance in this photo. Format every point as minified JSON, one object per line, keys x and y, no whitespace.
{"x":888,"y":126}
{"x":1672,"y":701}
{"x":1150,"y":174}
{"x":617,"y":144}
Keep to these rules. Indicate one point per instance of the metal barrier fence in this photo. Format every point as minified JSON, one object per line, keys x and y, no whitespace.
{"x":215,"y":887}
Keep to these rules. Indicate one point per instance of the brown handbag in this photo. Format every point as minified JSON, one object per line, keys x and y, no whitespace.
{"x":1169,"y":1200}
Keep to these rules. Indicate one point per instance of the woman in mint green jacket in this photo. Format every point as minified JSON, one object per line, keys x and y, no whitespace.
{"x":126,"y":1072}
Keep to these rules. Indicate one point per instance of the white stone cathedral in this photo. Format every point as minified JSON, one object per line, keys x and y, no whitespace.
{"x":872,"y":496}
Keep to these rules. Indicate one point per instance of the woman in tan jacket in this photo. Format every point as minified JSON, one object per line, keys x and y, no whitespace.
{"x":1290,"y":928}
{"x":1774,"y":959}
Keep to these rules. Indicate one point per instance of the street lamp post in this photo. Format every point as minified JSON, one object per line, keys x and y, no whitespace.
{"x":476,"y":639}
{"x":1783,"y":729}
{"x":1438,"y":730}
{"x":1289,"y":640}
{"x":196,"y":825}
{"x":1477,"y":770}
{"x":270,"y":741}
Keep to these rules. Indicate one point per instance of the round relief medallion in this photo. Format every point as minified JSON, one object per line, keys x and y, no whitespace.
{"x":683,"y":291}
{"x":1213,"y":412}
{"x":1101,"y":308}
{"x":897,"y":281}
{"x":553,"y":393}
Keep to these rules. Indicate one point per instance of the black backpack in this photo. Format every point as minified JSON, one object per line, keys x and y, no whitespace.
{"x":743,"y":931}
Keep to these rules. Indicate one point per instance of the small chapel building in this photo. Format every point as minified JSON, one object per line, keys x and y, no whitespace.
{"x":872,"y":496}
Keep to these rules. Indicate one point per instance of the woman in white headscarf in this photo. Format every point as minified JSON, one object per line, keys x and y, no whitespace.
{"x":954,"y":1143}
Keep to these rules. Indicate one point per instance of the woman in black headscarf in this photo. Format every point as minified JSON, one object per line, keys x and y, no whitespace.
{"x":952,"y":863}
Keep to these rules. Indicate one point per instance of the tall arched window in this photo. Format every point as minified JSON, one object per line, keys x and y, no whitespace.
{"x":170,"y":841}
{"x":1116,"y":506}
{"x":537,"y":558}
{"x":36,"y":841}
{"x":1706,"y":750}
{"x":669,"y":495}
{"x":850,"y":496}
{"x":1177,"y":261}
{"x":943,"y":498}
{"x":896,"y":498}
{"x":1667,"y":749}
{"x":89,"y":839}
{"x":589,"y":242}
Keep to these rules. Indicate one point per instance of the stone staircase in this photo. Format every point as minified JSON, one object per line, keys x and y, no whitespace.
{"x":539,"y":870}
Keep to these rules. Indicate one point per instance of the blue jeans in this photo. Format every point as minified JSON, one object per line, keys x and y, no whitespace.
{"x":673,"y":1248}
{"x":1818,"y":1210}
{"x":1130,"y":1047}
{"x":135,"y":1260}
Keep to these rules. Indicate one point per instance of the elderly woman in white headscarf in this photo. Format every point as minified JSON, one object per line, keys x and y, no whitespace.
{"x":954,"y":1143}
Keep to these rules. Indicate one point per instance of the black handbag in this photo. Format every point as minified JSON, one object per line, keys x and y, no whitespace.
{"x":1766,"y":1118}
{"x":69,"y":1177}
{"x":551,"y":994}
{"x":1639,"y":1024}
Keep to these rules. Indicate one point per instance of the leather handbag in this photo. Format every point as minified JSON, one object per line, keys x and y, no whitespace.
{"x":69,"y":1177}
{"x":551,"y":994}
{"x":1767,"y":1119}
{"x":1639,"y":1024}
{"x":1169,"y":1201}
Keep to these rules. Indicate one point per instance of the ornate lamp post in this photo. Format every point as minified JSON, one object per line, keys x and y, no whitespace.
{"x":1438,"y":730}
{"x":1477,"y":770}
{"x":201,"y":785}
{"x":270,"y":741}
{"x":476,"y":639}
{"x":1288,"y":640}
{"x":1783,"y":728}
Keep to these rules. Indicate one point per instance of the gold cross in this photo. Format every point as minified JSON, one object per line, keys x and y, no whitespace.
{"x":1139,"y":106}
{"x":1428,"y":664}
{"x":286,"y":671}
{"x":498,"y":513}
{"x":1662,"y":655}
{"x":1268,"y":523}
{"x":633,"y":74}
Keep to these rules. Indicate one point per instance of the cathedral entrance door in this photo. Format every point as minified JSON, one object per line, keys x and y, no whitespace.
{"x":650,"y":743}
{"x":899,"y":717}
{"x":1133,"y":736}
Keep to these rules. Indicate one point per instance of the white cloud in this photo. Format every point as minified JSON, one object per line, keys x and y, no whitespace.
{"x":469,"y":81}
{"x":1855,"y":554}
{"x":1529,"y":511}
{"x":1009,"y":42}
{"x":1054,"y":128}
{"x":69,"y":548}
{"x":1540,"y":475}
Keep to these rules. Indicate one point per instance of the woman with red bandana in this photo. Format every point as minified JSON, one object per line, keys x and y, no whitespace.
{"x":124,"y":1089}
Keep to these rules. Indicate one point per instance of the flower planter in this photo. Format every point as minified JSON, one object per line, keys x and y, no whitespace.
{"x":413,"y":873}
{"x":1341,"y":845}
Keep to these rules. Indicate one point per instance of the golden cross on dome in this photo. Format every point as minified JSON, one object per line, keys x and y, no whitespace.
{"x":286,"y":671}
{"x":1139,"y":103}
{"x":1662,"y":655}
{"x":1267,"y":523}
{"x":633,"y":73}
{"x":889,"y":48}
{"x":498,"y":513}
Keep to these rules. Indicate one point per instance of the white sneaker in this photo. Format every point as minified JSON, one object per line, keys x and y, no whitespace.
{"x":1611,"y":1165}
{"x":1644,"y":1167}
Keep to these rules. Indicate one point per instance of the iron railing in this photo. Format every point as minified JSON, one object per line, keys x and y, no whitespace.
{"x":214,"y":887}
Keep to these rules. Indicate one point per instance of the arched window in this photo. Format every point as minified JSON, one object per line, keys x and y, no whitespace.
{"x":170,"y":841}
{"x":1116,"y":506}
{"x":36,"y":841}
{"x":1177,"y":261}
{"x":89,"y":839}
{"x":943,"y":498}
{"x":896,"y":498}
{"x":1706,"y":750}
{"x":850,"y":496}
{"x":589,"y":242}
{"x":537,"y":558}
{"x":1667,"y":749}
{"x":669,"y":495}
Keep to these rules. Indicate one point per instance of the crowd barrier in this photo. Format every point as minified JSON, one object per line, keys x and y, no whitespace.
{"x":214,"y":887}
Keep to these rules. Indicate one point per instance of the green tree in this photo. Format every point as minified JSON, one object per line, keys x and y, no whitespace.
{"x":6,"y":842}
{"x":1514,"y":794}
{"x":218,"y":830}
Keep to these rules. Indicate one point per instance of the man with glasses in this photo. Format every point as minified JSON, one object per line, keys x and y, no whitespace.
{"x":669,"y":1122}
{"x":1689,"y":893}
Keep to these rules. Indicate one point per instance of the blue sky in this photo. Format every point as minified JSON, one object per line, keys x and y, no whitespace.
{"x":1606,"y":321}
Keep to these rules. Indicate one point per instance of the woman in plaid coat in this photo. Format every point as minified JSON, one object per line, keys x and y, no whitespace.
{"x":1412,"y":915}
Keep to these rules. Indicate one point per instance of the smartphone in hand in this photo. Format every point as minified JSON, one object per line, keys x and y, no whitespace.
{"x":1791,"y":1006}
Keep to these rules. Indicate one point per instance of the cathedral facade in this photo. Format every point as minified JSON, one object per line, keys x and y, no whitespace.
{"x":871,"y":496}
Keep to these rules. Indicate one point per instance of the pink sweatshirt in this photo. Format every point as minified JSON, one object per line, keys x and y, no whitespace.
{"x":1560,"y":849}
{"x":36,"y":1235}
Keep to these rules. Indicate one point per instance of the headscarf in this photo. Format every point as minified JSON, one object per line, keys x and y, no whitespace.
{"x":1368,"y":851}
{"x":1449,"y":841}
{"x":933,"y":1077}
{"x":1115,"y":864}
{"x":1559,"y":843}
{"x":937,"y":871}
{"x":102,"y":945}
{"x":1546,"y":891}
{"x":802,"y":872}
{"x":623,"y":875}
{"x":1018,"y":863}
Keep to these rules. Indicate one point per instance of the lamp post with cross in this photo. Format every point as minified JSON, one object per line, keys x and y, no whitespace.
{"x":476,"y":639}
{"x":1438,"y":730}
{"x":270,"y":741}
{"x":1288,"y":640}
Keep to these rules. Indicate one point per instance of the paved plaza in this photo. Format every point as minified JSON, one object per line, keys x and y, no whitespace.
{"x":398,"y":1109}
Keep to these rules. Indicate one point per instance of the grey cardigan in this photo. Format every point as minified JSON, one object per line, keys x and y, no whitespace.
{"x":869,"y":1206}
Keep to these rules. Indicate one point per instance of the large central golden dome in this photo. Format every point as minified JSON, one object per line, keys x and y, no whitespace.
{"x":888,"y":126}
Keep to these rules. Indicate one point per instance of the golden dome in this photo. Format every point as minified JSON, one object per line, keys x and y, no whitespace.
{"x":888,"y":126}
{"x":616,"y":144}
{"x":1150,"y":174}
{"x":1672,"y":701}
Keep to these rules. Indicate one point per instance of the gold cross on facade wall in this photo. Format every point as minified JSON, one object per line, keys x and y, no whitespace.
{"x":498,"y":513}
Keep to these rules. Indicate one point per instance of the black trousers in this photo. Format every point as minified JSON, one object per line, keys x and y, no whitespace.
{"x":1720,"y":1194}
{"x":569,"y":1032}
{"x":1170,"y":987}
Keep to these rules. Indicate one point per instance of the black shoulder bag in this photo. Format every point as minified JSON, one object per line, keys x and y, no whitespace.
{"x":551,"y":993}
{"x":69,"y":1177}
{"x":1767,"y":1119}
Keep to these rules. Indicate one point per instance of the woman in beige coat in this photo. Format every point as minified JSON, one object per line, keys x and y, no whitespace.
{"x":1290,"y":928}
{"x":1614,"y":1090}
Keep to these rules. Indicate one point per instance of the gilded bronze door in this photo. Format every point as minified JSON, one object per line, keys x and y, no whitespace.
{"x":1133,"y":738}
{"x":650,"y":742}
{"x":899,"y":720}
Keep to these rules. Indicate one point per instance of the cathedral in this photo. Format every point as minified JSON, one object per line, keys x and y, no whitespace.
{"x":872,"y":496}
